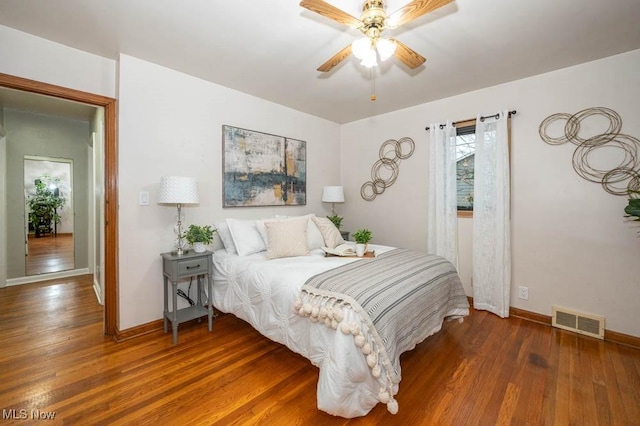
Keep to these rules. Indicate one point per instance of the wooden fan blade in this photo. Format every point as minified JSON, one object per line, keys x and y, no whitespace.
{"x":408,"y":56}
{"x":325,"y":9}
{"x":413,"y":10}
{"x":335,"y":59}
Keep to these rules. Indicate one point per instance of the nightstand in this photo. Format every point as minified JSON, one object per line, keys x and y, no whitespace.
{"x":189,"y":265}
{"x":345,"y":235}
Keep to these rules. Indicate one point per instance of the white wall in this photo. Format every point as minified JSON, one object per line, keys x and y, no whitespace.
{"x":171,"y":124}
{"x":571,"y":244}
{"x":96,"y":204}
{"x":28,"y":56}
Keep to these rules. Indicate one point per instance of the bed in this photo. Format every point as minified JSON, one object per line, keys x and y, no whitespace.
{"x":297,"y":301}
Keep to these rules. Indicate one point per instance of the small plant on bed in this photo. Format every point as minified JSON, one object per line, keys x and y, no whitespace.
{"x":199,"y":236}
{"x":362,"y":238}
{"x":336,"y":220}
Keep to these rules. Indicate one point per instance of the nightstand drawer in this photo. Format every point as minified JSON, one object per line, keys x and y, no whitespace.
{"x":192,"y":266}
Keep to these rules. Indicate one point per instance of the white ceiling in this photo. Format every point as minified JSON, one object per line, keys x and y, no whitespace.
{"x":271,"y":48}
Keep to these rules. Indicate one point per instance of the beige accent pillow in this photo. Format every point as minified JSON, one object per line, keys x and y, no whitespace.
{"x":287,"y":238}
{"x":330,"y":233}
{"x":315,"y":240}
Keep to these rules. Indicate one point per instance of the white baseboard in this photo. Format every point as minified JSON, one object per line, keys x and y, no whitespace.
{"x":46,"y":277}
{"x":96,"y":289}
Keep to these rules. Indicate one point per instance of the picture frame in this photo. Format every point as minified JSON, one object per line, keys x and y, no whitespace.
{"x":260,"y":169}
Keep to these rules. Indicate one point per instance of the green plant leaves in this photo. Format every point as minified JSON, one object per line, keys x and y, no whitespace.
{"x":362,"y":236}
{"x":337,"y":220}
{"x":633,"y":209}
{"x":199,"y":234}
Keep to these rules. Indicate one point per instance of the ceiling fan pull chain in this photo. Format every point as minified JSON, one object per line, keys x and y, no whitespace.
{"x":373,"y":85}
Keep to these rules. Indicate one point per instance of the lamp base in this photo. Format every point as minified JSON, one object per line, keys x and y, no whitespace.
{"x":180,"y":252}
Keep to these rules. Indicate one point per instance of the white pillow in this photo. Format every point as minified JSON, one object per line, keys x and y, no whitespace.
{"x":330,"y":233}
{"x":315,"y":239}
{"x":287,"y":238}
{"x":262,"y":229}
{"x":225,"y":236}
{"x":246,"y":237}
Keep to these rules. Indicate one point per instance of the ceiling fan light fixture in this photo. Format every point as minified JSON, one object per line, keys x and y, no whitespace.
{"x":373,"y":21}
{"x":386,"y":48}
{"x":362,"y":48}
{"x":370,"y":59}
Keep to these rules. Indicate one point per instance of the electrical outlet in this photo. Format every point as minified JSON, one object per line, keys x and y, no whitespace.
{"x":523,"y":293}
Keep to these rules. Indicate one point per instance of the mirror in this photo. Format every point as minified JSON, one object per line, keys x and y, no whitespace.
{"x":49,"y":214}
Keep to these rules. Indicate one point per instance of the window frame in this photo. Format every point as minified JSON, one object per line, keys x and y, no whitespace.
{"x":462,"y":124}
{"x":472,"y":122}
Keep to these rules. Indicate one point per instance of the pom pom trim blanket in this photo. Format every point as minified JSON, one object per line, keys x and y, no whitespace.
{"x":396,"y":297}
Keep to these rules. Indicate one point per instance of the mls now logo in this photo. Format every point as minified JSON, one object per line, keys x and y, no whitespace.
{"x":14,"y":414}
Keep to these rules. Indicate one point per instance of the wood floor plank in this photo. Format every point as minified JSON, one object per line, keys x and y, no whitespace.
{"x":487,"y":370}
{"x":51,"y":253}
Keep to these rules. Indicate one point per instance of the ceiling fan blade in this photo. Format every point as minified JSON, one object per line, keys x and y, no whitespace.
{"x":413,"y":10}
{"x":325,"y":9}
{"x":408,"y":56}
{"x":335,"y":59}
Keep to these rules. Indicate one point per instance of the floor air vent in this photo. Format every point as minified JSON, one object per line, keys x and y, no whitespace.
{"x":588,"y":324}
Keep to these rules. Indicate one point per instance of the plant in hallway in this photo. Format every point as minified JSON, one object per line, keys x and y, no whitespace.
{"x":44,"y":204}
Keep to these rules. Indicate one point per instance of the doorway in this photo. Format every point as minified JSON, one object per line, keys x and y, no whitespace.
{"x":49,"y":215}
{"x":109,"y":175}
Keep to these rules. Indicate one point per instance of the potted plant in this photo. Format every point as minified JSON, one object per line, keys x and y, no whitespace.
{"x":362,"y":238}
{"x":44,"y":204}
{"x":633,"y":208}
{"x":199,"y":237}
{"x":336,"y":220}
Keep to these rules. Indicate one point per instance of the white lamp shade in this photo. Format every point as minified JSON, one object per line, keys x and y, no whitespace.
{"x":333,"y":194}
{"x":386,"y":48}
{"x":178,"y":190}
{"x":370,"y":60}
{"x":362,"y":47}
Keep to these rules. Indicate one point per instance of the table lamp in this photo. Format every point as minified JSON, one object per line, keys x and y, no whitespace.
{"x":178,"y":190}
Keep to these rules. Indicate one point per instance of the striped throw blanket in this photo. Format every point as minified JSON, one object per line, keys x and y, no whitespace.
{"x":394,"y":301}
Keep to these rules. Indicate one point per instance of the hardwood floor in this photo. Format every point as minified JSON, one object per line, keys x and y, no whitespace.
{"x":49,"y":254}
{"x":485,"y":371}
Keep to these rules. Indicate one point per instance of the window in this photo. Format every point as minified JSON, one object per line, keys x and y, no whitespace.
{"x":465,"y":155}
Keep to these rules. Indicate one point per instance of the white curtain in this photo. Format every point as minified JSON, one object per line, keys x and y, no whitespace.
{"x":491,"y":217}
{"x":442,"y":220}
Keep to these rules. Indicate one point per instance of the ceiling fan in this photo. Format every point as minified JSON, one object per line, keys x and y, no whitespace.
{"x":372,"y":23}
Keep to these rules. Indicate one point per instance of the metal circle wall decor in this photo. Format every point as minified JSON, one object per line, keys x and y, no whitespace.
{"x":628,"y":168}
{"x":384,"y":171}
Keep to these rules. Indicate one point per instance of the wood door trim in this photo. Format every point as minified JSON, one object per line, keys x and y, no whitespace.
{"x":110,"y":180}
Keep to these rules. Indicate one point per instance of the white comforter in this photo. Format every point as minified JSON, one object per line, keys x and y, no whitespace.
{"x":263,"y":292}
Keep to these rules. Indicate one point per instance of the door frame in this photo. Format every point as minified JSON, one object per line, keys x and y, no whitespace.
{"x":110,"y":181}
{"x":71,"y":195}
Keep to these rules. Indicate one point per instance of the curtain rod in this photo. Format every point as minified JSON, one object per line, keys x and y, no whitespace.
{"x":482,"y":118}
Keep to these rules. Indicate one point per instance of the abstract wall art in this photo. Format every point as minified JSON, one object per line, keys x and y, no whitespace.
{"x":384,"y":171}
{"x":622,"y":175}
{"x":260,"y":169}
